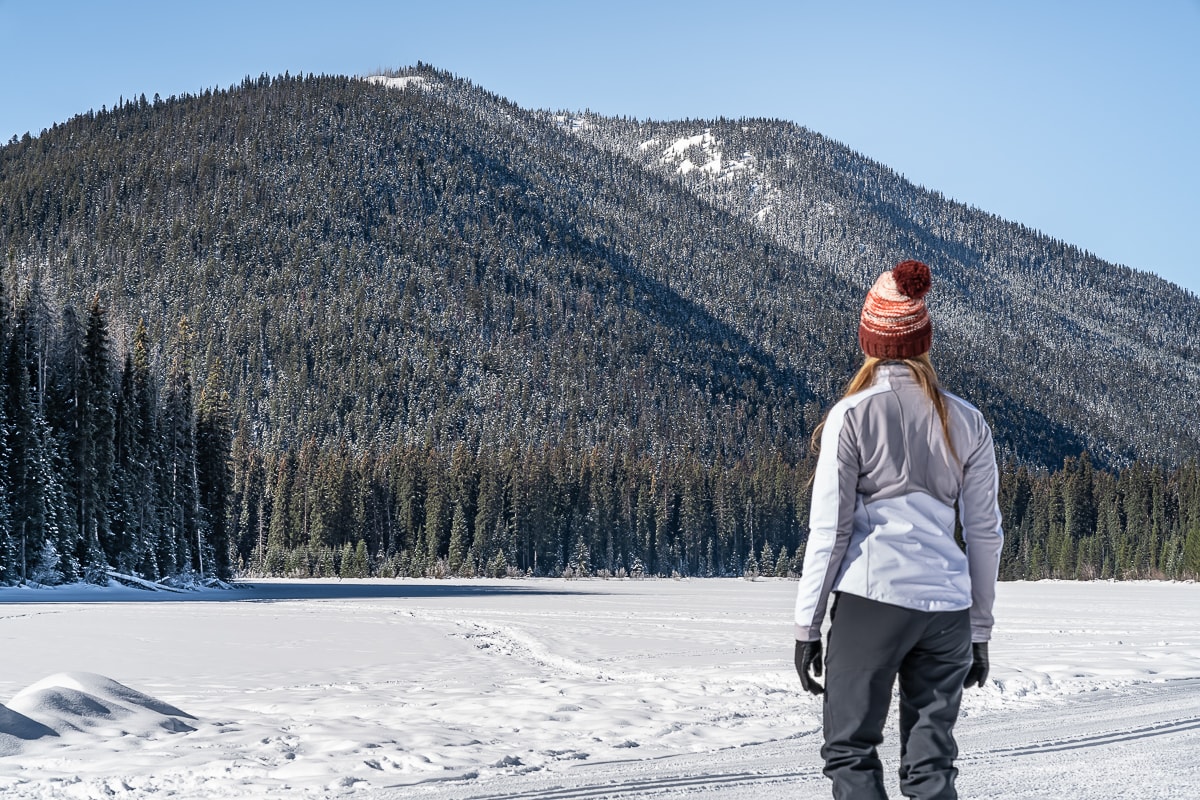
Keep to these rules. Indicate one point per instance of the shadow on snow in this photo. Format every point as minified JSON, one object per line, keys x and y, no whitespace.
{"x":277,"y":591}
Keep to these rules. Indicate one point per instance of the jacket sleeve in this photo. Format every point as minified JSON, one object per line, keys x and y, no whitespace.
{"x":979,"y":512}
{"x":831,"y":521}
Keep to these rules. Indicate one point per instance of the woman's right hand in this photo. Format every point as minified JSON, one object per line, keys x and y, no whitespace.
{"x":808,"y":660}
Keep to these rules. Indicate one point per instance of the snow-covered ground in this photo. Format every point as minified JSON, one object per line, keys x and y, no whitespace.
{"x":553,"y":689}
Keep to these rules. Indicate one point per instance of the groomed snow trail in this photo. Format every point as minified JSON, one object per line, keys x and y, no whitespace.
{"x":1114,"y":738}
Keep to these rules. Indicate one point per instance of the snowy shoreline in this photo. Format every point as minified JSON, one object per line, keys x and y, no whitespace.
{"x":130,"y":588}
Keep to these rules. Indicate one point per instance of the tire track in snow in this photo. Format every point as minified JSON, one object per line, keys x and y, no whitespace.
{"x":1077,"y":743}
{"x":650,"y":786}
{"x":642,"y":787}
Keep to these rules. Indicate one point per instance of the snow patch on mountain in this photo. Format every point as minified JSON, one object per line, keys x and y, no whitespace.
{"x":688,"y":153}
{"x":701,"y":156}
{"x":573,"y":122}
{"x":400,"y":81}
{"x":680,"y":146}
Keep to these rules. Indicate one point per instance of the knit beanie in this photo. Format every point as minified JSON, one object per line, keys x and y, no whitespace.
{"x":894,"y":321}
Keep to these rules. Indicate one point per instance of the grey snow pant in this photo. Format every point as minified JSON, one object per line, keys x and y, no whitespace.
{"x":870,"y":643}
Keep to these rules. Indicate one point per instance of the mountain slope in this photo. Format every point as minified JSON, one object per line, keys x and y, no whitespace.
{"x":1112,"y":352}
{"x":384,"y":266}
{"x":425,"y":262}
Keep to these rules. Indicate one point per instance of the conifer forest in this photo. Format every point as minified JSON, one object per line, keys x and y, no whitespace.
{"x":321,"y":325}
{"x":105,"y":465}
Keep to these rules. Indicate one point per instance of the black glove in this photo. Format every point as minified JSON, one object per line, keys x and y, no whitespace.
{"x":977,"y":674}
{"x":808,"y":656}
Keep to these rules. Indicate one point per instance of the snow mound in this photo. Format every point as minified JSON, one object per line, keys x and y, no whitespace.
{"x":82,"y":701}
{"x":16,"y":728}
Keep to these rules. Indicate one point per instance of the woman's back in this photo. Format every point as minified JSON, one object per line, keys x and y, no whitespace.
{"x":909,"y":479}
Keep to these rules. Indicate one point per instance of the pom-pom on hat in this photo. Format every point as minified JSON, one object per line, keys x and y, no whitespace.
{"x":894,"y":321}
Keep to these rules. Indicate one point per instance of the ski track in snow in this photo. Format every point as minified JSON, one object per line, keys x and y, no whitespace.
{"x":555,"y":690}
{"x":1032,"y":770}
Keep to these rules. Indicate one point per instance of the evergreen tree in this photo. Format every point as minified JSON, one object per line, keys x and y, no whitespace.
{"x":436,"y":502}
{"x":182,"y":547}
{"x":67,"y":412}
{"x":766,"y":560}
{"x":249,"y":508}
{"x":143,"y":461}
{"x":459,"y":538}
{"x":751,"y":568}
{"x":488,"y":528}
{"x":360,"y":561}
{"x":97,"y":430}
{"x":125,"y":520}
{"x":214,"y":476}
{"x":782,"y":564}
{"x":498,"y":565}
{"x":21,"y":453}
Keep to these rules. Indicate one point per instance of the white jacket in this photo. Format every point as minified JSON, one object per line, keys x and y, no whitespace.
{"x":882,"y":520}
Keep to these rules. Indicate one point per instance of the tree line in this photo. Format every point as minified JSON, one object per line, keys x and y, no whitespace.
{"x":1080,"y":522}
{"x":569,"y":511}
{"x":111,"y":464}
{"x":107,"y":464}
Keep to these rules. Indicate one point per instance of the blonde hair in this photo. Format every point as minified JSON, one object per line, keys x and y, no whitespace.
{"x":925,"y":375}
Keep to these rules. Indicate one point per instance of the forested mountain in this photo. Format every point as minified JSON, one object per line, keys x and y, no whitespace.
{"x":1109,"y":354}
{"x":384,"y":266}
{"x":462,"y":332}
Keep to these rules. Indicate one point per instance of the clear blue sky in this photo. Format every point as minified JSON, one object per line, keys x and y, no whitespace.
{"x":1080,"y":119}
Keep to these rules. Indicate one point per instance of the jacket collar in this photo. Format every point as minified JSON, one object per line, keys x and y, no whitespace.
{"x":892,"y":371}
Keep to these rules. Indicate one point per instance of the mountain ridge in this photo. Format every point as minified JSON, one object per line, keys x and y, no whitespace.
{"x":503,"y":273}
{"x":1124,"y":308}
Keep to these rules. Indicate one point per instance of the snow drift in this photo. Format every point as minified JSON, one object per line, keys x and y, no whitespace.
{"x":83,"y":702}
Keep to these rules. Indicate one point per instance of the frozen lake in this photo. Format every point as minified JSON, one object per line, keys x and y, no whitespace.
{"x":555,"y":689}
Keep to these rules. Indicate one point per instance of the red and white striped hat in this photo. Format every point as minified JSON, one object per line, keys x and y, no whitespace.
{"x":895,"y":322}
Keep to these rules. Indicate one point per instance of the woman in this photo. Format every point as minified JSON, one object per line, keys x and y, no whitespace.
{"x":897,"y":455}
